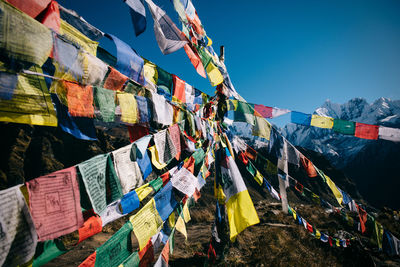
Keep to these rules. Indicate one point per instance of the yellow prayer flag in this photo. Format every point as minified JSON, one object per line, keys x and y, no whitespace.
{"x":338,"y":242}
{"x":262,"y":128}
{"x":186,"y":213}
{"x":150,"y":71}
{"x":171,"y":220}
{"x":143,"y":191}
{"x":129,"y":109}
{"x":181,"y":227}
{"x":241,"y":213}
{"x":259,"y":178}
{"x":317,"y":234}
{"x":294,"y":213}
{"x":31,"y":102}
{"x":321,"y":122}
{"x":77,"y":37}
{"x":146,"y":223}
{"x":214,"y":75}
{"x":335,"y":190}
{"x":155,"y":158}
{"x":209,"y":43}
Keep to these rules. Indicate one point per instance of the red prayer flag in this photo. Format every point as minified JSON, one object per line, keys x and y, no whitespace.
{"x":366,"y":131}
{"x":309,"y":228}
{"x":91,"y":227}
{"x":165,"y":177}
{"x":30,"y":7}
{"x":115,"y":80}
{"x":80,"y":99}
{"x":51,"y":17}
{"x":146,"y":255}
{"x":307,"y":164}
{"x":179,"y":89}
{"x":251,"y":153}
{"x":90,"y":261}
{"x":137,"y":131}
{"x":262,"y":111}
{"x":194,"y":57}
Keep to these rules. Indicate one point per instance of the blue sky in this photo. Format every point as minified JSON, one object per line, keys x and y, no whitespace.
{"x":288,"y":54}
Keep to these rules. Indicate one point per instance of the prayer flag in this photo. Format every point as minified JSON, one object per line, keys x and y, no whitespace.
{"x":308,"y":166}
{"x":116,"y":249}
{"x":17,"y":231}
{"x":54,"y":201}
{"x":214,"y":75}
{"x":74,"y":35}
{"x":104,"y":101}
{"x":32,"y":8}
{"x":179,"y":89}
{"x":366,"y":131}
{"x":95,"y":173}
{"x":80,"y":100}
{"x":129,"y":62}
{"x":146,"y":223}
{"x":128,"y":171}
{"x":263,"y":111}
{"x":129,"y":110}
{"x":163,"y":111}
{"x":184,"y":181}
{"x":8,"y":83}
{"x":22,"y":38}
{"x":130,"y":202}
{"x":165,"y":201}
{"x":51,"y":17}
{"x":164,"y":145}
{"x":240,"y":208}
{"x":144,"y":191}
{"x":115,"y":80}
{"x":31,"y":102}
{"x":261,"y":128}
{"x":80,"y":24}
{"x":142,"y":158}
{"x":168,"y":36}
{"x":321,"y":121}
{"x":194,"y":57}
{"x":138,"y":14}
{"x":164,"y":81}
{"x":344,"y":127}
{"x":91,"y":226}
{"x":300,"y":118}
{"x":390,"y":134}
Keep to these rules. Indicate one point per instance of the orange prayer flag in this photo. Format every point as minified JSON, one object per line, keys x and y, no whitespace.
{"x":90,"y":227}
{"x":115,"y":80}
{"x":165,"y":252}
{"x":307,"y":164}
{"x":80,"y":99}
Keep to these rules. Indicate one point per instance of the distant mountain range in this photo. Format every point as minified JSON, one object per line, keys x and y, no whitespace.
{"x":374,"y":165}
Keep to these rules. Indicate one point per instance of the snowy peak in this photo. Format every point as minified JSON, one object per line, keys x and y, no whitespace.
{"x":382,"y":112}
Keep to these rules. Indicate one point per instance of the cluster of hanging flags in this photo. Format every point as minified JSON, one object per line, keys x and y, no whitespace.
{"x":53,"y":73}
{"x":247,"y":112}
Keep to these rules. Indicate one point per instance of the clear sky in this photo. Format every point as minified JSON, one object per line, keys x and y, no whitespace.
{"x":288,"y":54}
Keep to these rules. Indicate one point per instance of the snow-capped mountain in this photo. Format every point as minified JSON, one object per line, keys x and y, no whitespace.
{"x":367,"y":162}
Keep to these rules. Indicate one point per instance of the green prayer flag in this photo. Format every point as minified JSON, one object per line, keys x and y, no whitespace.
{"x":132,"y":261}
{"x":164,"y":80}
{"x":135,"y":89}
{"x":244,"y":112}
{"x":93,"y":173}
{"x":251,"y":169}
{"x":172,"y":241}
{"x":47,"y":251}
{"x":114,"y":189}
{"x":156,"y":184}
{"x":344,"y":127}
{"x":116,"y":249}
{"x":204,"y":56}
{"x":104,"y":102}
{"x":198,"y":156}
